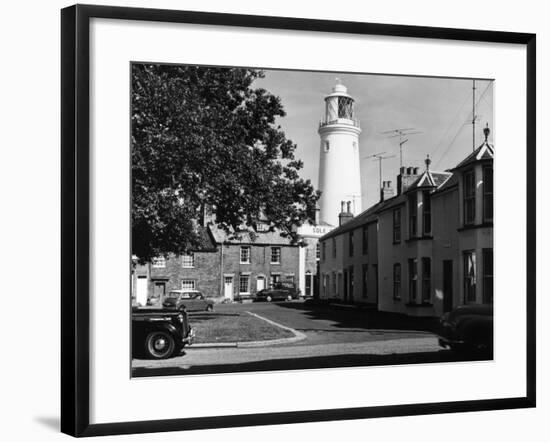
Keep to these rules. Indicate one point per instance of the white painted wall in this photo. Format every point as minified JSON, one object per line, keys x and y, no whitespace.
{"x":339,"y":171}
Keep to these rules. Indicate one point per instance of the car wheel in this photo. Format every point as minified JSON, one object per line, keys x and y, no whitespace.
{"x":289,"y":298}
{"x":160,"y":345}
{"x":209,"y":307}
{"x":268,"y":298}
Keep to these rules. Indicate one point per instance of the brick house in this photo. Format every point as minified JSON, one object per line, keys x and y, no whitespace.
{"x":228,"y":266}
{"x":197,"y":270}
{"x":253,"y":260}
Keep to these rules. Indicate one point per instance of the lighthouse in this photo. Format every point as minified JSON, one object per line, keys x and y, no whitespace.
{"x":339,"y":166}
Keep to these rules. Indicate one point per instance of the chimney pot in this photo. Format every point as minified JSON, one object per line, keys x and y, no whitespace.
{"x":402,"y":170}
{"x":416,"y":171}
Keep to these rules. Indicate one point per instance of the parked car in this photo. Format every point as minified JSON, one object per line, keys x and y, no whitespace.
{"x":468,"y":328}
{"x":189,"y":300}
{"x":280,"y":292}
{"x":160,"y":334}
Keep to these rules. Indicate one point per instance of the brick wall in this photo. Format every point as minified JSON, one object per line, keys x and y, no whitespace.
{"x":260,"y":264}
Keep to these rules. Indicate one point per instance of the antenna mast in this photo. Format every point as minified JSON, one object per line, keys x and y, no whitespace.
{"x":474,"y":116}
{"x":401,"y":133}
{"x":379,"y":157}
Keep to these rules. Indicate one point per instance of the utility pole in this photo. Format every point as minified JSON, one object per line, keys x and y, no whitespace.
{"x":379,"y":157}
{"x":401,"y":133}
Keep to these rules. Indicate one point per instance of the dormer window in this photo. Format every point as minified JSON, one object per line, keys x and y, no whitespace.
{"x":469,"y":197}
{"x":413,"y":216}
{"x":426,"y":212}
{"x":487,"y":194}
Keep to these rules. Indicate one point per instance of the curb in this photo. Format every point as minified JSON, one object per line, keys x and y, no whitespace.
{"x":298,"y":336}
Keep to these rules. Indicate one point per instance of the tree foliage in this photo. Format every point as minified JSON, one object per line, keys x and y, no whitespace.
{"x":205,"y":137}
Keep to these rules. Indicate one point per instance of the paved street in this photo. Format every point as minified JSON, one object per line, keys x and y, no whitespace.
{"x":334,"y":337}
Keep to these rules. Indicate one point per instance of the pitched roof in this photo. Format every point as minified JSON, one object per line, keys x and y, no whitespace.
{"x":206,"y":241}
{"x":430,"y":179}
{"x":484,"y":152}
{"x":275,"y":237}
{"x":363,"y":218}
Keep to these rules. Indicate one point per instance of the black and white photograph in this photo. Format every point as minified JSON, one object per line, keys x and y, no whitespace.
{"x":295,"y":219}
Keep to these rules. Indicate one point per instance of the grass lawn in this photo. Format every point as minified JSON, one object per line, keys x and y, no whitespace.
{"x":233,"y":327}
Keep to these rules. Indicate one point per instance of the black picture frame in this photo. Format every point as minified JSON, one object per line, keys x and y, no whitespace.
{"x":75,"y":211}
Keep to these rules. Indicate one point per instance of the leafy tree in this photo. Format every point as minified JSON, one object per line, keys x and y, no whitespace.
{"x":204,"y":137}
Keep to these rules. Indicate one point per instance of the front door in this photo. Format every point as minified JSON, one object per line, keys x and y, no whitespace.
{"x":228,"y":287}
{"x":345,"y":285}
{"x":447,"y":285}
{"x":260,"y":283}
{"x":141,"y":290}
{"x":159,"y":292}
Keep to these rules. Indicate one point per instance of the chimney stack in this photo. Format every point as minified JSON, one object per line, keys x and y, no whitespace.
{"x":386,"y":192}
{"x":406,"y":177}
{"x":345,"y":216}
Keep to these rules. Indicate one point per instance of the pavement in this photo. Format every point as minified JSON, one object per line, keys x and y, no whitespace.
{"x":328,"y":337}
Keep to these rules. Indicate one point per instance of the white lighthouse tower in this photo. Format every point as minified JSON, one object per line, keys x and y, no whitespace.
{"x":339,"y":167}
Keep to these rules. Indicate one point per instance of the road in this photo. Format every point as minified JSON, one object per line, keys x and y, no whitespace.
{"x":335,"y":337}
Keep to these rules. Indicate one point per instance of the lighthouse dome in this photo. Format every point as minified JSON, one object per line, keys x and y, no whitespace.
{"x":340,"y":88}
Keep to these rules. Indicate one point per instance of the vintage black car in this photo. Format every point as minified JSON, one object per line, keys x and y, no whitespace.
{"x":468,"y":328}
{"x":189,"y":300}
{"x":279,"y":292}
{"x":159,"y":334}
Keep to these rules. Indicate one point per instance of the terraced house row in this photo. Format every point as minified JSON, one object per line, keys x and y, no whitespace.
{"x":223,"y":266}
{"x":422,"y":251}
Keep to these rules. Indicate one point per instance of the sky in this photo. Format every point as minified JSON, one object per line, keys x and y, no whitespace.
{"x":439,"y":108}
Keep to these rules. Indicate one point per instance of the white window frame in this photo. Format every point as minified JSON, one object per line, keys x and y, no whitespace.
{"x":243,"y":248}
{"x":280,"y":253}
{"x":185,"y":261}
{"x":159,"y":262}
{"x":247,"y":277}
{"x":190,"y":286}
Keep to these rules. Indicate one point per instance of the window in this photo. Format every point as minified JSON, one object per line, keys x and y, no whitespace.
{"x":413,"y":277}
{"x":188,"y":261}
{"x":426,"y":212}
{"x":245,"y":254}
{"x":274,"y":279}
{"x":397,"y":281}
{"x":244,"y":282}
{"x":262,"y":227}
{"x":188,"y":284}
{"x":351,"y":282}
{"x":487,"y":194}
{"x":327,"y":146}
{"x":426,"y":280}
{"x":324,"y":250}
{"x":334,"y":287}
{"x":469,"y":197}
{"x":317,"y":251}
{"x":275,"y":255}
{"x":334,"y":247}
{"x":365,"y":240}
{"x":159,"y":262}
{"x":365,"y":280}
{"x":413,"y":205}
{"x":350,"y":243}
{"x":345,"y":107}
{"x":397,"y":226}
{"x":469,"y":276}
{"x":488,"y":276}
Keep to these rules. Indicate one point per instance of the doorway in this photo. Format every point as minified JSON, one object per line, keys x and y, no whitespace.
{"x":447,"y":285}
{"x":228,"y":287}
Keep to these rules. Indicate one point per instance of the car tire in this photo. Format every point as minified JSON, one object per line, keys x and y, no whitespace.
{"x":268,"y":298}
{"x":289,"y":298}
{"x":160,"y":344}
{"x":209,"y":307}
